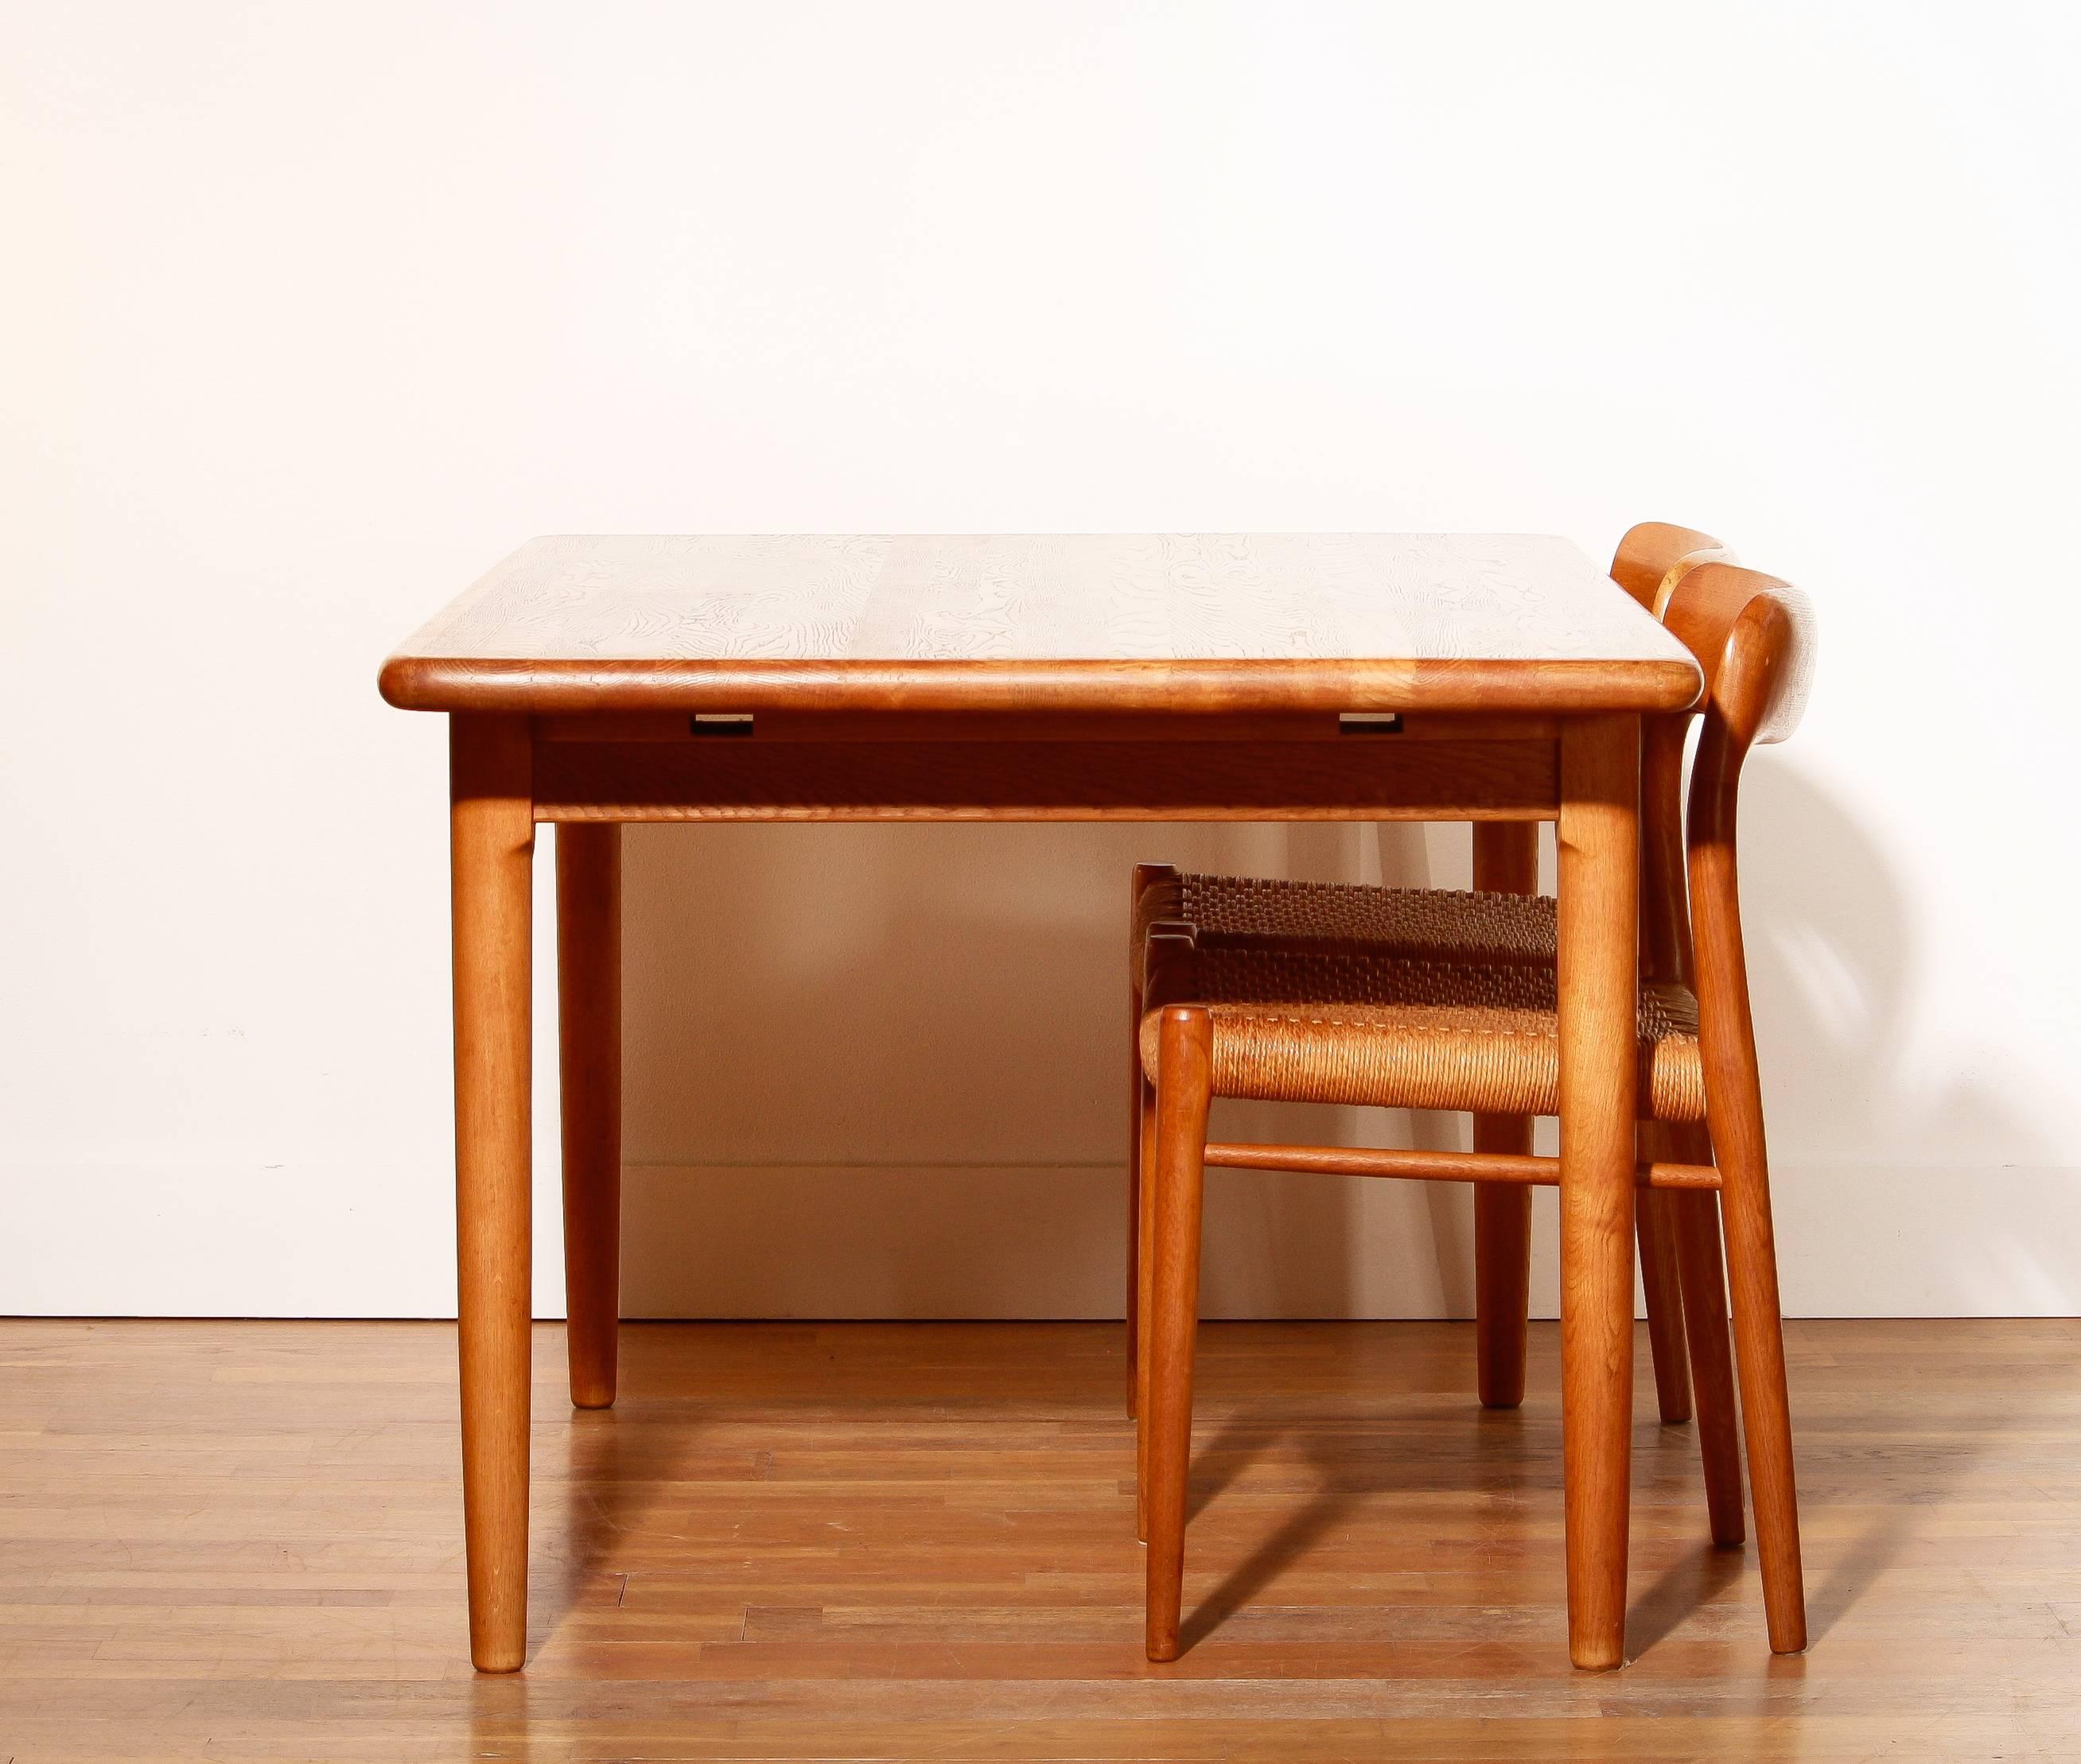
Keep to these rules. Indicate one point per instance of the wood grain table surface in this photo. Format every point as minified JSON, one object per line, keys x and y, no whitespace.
{"x":1102,"y":622}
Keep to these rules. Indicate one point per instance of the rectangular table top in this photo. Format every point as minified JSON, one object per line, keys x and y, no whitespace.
{"x":1260,"y":621}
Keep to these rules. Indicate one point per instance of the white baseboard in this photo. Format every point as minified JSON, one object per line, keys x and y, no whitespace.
{"x":1042,"y":1240}
{"x":305,"y":1239}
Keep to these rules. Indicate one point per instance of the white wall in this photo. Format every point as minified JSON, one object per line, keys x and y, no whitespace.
{"x":312,"y":312}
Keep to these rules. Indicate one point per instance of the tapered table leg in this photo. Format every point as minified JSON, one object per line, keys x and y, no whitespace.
{"x":492,"y":848}
{"x":1506,"y":862}
{"x":1502,"y":1267}
{"x":1599,"y":999}
{"x":1655,"y":1222}
{"x":589,"y":1046}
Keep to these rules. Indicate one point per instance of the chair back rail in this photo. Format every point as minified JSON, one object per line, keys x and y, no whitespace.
{"x":1651,"y":561}
{"x":1753,"y":636}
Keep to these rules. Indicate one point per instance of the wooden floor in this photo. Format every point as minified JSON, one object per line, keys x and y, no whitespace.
{"x":243,"y":1541}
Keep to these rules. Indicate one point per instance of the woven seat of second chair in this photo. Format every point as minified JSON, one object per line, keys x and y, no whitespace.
{"x":1305,"y":1026}
{"x":1338,"y":917}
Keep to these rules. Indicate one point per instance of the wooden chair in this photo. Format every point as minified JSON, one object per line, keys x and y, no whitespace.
{"x":1432,"y":924}
{"x":1477,"y":1029}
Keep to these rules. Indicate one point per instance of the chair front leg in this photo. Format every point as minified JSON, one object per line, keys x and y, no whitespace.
{"x":1183,"y":1089}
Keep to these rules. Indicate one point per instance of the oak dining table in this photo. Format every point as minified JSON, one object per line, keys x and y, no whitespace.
{"x":589,"y":681}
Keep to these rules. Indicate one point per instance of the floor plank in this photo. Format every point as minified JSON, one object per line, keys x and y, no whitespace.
{"x":242,"y":1542}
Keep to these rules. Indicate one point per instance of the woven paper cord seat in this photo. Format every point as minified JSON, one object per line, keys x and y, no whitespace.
{"x":1307,"y":1027}
{"x":1348,"y":918}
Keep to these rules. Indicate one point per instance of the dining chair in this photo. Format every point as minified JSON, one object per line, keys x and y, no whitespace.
{"x":1477,"y":1029}
{"x":1502,"y":918}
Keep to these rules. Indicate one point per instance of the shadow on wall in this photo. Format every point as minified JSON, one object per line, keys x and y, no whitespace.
{"x":882,"y":1071}
{"x":1833,"y":972}
{"x":1884,"y":1146}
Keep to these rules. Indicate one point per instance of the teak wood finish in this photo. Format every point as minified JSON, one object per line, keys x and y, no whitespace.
{"x":1598,"y":903}
{"x":492,"y":850}
{"x":596,"y":681}
{"x":589,"y":1052}
{"x":1750,"y":634}
{"x":1191,"y":622}
{"x":1506,"y":862}
{"x":1650,"y":558}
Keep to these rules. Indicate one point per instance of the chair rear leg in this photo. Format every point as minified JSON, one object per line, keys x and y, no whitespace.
{"x":1766,"y":1403}
{"x":1183,"y":1086}
{"x":1695,"y":1214}
{"x":1759,"y":650}
{"x":1733,"y":1110}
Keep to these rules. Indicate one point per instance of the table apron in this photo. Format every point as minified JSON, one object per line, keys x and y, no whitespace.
{"x":1380,"y":778}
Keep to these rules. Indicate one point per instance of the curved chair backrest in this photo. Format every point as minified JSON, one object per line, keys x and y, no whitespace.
{"x":1653,"y":556}
{"x":1793,"y":682}
{"x":1755,"y":637}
